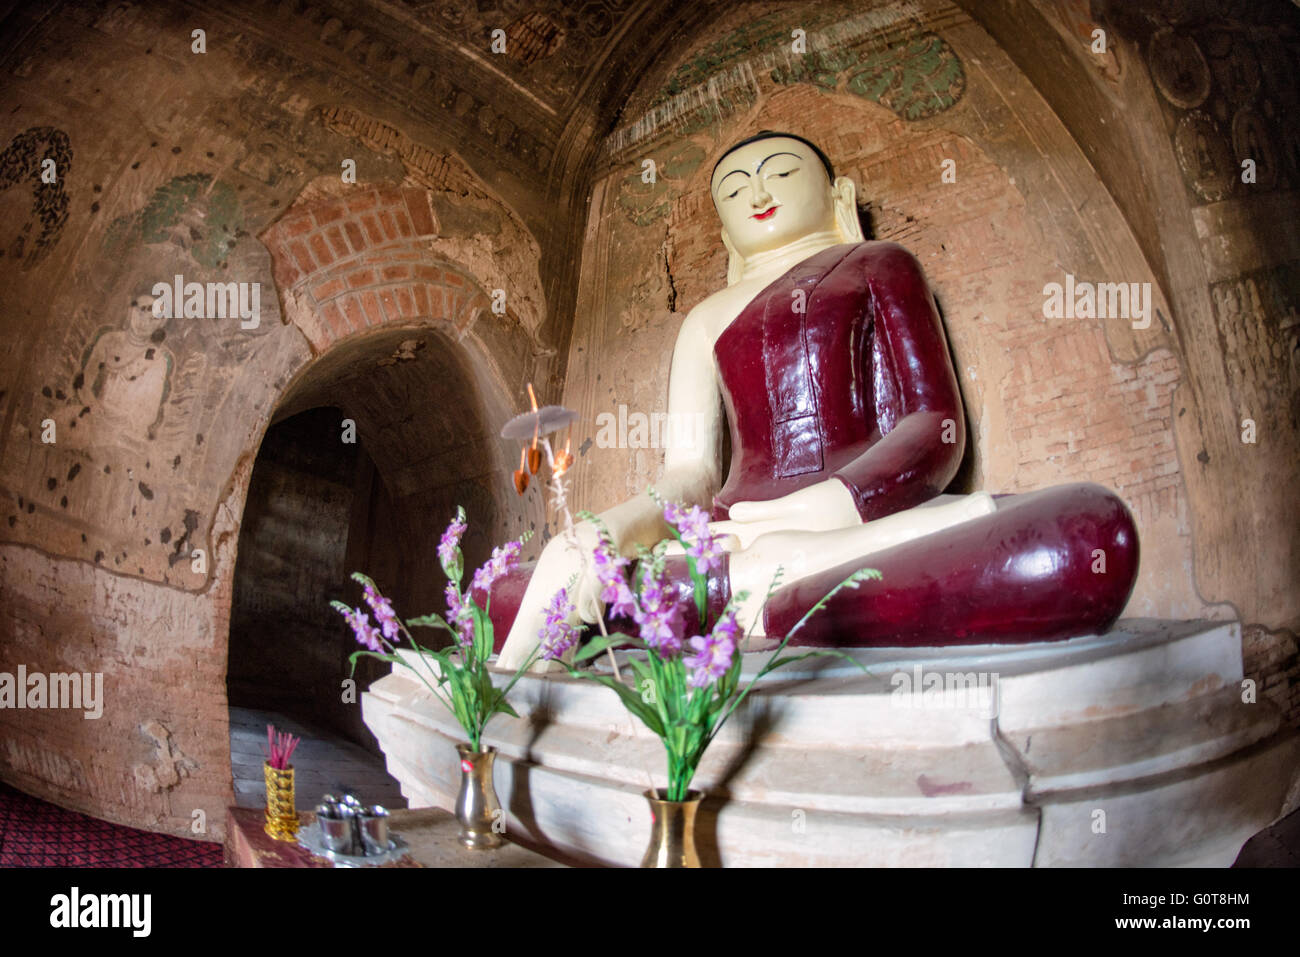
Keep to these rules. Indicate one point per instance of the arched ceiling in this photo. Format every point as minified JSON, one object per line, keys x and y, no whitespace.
{"x":399,"y":386}
{"x":528,"y":120}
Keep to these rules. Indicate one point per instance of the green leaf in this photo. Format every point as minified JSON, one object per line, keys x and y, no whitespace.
{"x":642,"y":672}
{"x":461,"y":710}
{"x":598,"y":644}
{"x":443,"y":657}
{"x":644,"y":675}
{"x":820,"y":653}
{"x":527,"y":663}
{"x":487,"y":692}
{"x":371,"y":654}
{"x":631,"y":700}
{"x":482,"y":634}
{"x":431,"y":620}
{"x":462,"y":697}
{"x":701,"y":595}
{"x":459,"y":687}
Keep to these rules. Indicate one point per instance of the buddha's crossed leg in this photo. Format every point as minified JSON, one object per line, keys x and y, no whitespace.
{"x":1038,"y":566}
{"x":1045,"y":565}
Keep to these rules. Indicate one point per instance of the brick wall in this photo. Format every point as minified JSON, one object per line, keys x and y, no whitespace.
{"x":354,"y":263}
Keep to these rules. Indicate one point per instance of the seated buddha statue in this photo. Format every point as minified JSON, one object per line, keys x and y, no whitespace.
{"x":826,"y":360}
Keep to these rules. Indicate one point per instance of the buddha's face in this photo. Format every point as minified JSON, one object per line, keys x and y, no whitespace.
{"x":772,"y":192}
{"x":141,"y":321}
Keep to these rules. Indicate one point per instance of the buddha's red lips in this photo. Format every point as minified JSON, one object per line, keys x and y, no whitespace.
{"x":766,"y":214}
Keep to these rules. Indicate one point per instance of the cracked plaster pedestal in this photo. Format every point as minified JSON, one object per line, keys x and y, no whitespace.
{"x":1128,"y":749}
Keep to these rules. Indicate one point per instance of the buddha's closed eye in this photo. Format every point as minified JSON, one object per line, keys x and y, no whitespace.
{"x":735,"y":192}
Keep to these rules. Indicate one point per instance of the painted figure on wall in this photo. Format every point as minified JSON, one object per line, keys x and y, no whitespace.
{"x":826,"y":360}
{"x":125,"y":378}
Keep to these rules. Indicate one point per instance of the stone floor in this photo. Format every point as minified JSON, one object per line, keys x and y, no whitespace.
{"x":324,"y":763}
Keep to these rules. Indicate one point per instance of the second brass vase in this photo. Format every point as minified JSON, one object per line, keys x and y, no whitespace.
{"x":672,"y":830}
{"x":481,"y":820}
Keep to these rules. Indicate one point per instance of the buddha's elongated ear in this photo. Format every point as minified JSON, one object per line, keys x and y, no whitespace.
{"x":735,"y":261}
{"x":847,"y":223}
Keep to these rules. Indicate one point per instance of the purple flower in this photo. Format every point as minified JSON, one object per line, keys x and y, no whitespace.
{"x":714,"y":653}
{"x":693,"y":525}
{"x":504,"y":557}
{"x":459,"y":615}
{"x":614,"y":590}
{"x":658,"y":616}
{"x":366,"y":633}
{"x":557,"y":635}
{"x":384,"y":614}
{"x":449,"y":547}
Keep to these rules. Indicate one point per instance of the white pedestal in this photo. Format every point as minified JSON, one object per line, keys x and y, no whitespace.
{"x":1129,"y":749}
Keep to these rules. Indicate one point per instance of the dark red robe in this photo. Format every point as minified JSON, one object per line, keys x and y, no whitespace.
{"x":840,"y":368}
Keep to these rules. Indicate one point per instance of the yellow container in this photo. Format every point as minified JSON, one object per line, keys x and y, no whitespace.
{"x":281,"y":813}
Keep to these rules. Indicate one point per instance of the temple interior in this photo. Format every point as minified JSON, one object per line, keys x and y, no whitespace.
{"x":428,"y":207}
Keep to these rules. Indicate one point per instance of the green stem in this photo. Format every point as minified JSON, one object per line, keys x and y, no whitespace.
{"x":776,"y":654}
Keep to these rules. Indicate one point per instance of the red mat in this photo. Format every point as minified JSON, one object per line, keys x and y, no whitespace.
{"x":35,"y":833}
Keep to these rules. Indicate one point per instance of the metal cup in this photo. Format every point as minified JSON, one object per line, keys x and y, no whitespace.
{"x":374,"y":829}
{"x":336,"y":830}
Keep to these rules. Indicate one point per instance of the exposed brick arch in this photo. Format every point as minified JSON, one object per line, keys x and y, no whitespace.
{"x":351,"y":263}
{"x":357,"y":274}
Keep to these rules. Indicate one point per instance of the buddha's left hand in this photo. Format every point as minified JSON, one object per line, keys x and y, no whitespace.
{"x":817,"y":508}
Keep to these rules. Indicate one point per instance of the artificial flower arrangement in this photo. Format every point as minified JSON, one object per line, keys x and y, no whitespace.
{"x":686,"y":689}
{"x":462,"y":681}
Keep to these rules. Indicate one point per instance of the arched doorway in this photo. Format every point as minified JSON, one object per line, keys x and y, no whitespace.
{"x":314,"y":507}
{"x":368,"y":454}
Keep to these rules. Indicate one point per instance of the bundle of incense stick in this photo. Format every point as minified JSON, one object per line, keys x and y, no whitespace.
{"x":281,"y":745}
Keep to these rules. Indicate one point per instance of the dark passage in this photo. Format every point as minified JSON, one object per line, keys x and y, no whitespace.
{"x":315,"y":511}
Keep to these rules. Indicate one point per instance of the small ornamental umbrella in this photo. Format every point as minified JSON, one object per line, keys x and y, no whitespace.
{"x":530,"y":426}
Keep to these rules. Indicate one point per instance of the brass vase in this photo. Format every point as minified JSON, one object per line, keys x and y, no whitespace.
{"x":281,"y":813}
{"x":477,"y":808}
{"x":672,"y":830}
